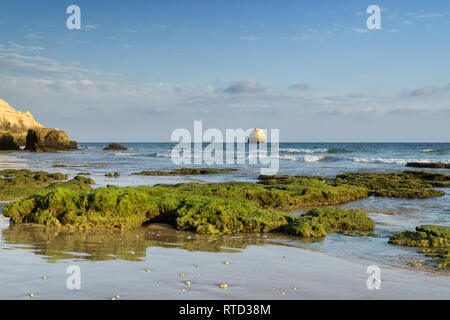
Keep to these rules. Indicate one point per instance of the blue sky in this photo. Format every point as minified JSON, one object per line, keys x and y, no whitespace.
{"x":140,"y":69}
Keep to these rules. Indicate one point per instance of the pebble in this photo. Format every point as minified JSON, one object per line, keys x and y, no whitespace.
{"x":294,"y":288}
{"x":188,"y":283}
{"x":181,"y":274}
{"x":197,"y":267}
{"x":147,"y":270}
{"x":226,"y":263}
{"x":44,"y":278}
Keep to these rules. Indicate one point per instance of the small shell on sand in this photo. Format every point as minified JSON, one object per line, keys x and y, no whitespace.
{"x":223,"y":286}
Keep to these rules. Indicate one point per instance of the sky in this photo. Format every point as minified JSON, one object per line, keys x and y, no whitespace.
{"x":137,"y":70}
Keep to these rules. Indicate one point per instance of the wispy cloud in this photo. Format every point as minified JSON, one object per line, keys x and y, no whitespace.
{"x":247,"y":86}
{"x":15,"y":47}
{"x":428,"y":91}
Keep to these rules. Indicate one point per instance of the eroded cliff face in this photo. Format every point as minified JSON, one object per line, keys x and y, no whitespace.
{"x":19,"y":129}
{"x":14,"y":126}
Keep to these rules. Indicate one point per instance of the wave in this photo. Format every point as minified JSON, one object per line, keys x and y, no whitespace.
{"x":125,"y":154}
{"x":160,"y":155}
{"x":398,"y":161}
{"x":301,"y":150}
{"x":291,"y":158}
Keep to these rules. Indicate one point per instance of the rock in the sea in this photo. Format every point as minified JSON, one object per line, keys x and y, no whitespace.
{"x":48,"y":140}
{"x":115,"y":147}
{"x":431,"y":165}
{"x":257,"y":136}
{"x":14,"y":126}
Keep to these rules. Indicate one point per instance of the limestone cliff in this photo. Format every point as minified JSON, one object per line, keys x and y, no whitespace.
{"x":14,"y":126}
{"x":19,"y":129}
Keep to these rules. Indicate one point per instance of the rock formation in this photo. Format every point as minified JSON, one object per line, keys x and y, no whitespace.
{"x":257,"y":136}
{"x":114,"y":147}
{"x":48,"y":140}
{"x":14,"y":127}
{"x":19,"y":129}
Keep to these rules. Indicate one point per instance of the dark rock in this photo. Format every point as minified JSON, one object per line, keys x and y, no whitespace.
{"x":7,"y":142}
{"x":48,"y":140}
{"x":430,"y":165}
{"x":115,"y":147}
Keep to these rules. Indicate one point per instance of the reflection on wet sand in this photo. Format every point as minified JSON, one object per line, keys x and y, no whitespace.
{"x":99,"y":245}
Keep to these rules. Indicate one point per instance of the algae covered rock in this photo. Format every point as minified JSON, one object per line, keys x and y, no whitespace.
{"x":404,"y":184}
{"x":18,"y":184}
{"x":435,"y":238}
{"x":431,"y":236}
{"x":431,"y":165}
{"x":319,"y":222}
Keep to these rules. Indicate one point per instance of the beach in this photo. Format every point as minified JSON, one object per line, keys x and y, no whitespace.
{"x":157,"y":261}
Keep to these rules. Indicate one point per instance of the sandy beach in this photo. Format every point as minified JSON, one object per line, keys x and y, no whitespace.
{"x":253,"y":267}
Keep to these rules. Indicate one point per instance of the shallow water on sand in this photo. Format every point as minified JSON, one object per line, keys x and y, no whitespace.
{"x":114,"y":262}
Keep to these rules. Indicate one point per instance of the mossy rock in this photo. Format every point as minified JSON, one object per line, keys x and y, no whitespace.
{"x":404,"y":184}
{"x":113,"y":175}
{"x":319,"y":222}
{"x":132,"y":207}
{"x":430,"y":236}
{"x":430,"y":165}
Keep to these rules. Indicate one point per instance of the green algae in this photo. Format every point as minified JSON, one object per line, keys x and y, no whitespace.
{"x":440,"y":257}
{"x":430,"y":165}
{"x":404,"y":184}
{"x":430,"y":236}
{"x":408,"y":193}
{"x":298,"y":193}
{"x":19,"y":184}
{"x":319,"y":222}
{"x":112,"y":175}
{"x":132,"y":207}
{"x":186,"y":171}
{"x":435,"y":238}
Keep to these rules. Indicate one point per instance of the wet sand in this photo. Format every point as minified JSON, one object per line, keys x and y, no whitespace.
{"x":114,"y":263}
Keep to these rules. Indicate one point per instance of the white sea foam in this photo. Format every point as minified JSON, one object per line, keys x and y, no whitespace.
{"x":308,"y":151}
{"x":291,"y":158}
{"x":398,"y":161}
{"x":160,"y":155}
{"x":313,"y":158}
